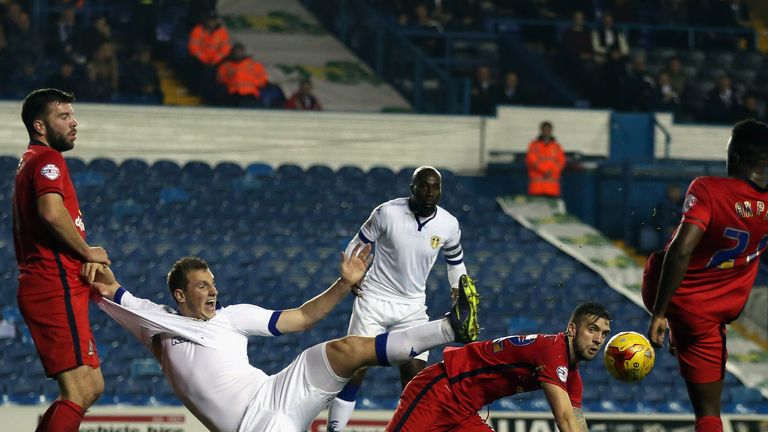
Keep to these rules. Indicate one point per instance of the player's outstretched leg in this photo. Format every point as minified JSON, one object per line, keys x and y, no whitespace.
{"x":350,"y":353}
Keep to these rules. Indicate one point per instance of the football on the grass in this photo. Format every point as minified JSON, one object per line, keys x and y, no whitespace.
{"x":629,"y":356}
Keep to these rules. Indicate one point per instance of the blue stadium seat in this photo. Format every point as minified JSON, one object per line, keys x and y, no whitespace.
{"x":103,"y":166}
{"x":197,"y":169}
{"x":165,"y":169}
{"x":228,"y":170}
{"x":75,"y":165}
{"x":289,"y":172}
{"x":134,"y":167}
{"x":24,"y":391}
{"x":350,"y":173}
{"x":259,"y":169}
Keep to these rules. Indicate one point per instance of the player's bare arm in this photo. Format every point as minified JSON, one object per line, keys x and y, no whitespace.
{"x":672,"y":272}
{"x":51,"y":209}
{"x":353,"y":268}
{"x":562,"y":409}
{"x":579,"y":414}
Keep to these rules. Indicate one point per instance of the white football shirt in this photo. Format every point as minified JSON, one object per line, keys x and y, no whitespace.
{"x":406,"y":249}
{"x":215,"y":382}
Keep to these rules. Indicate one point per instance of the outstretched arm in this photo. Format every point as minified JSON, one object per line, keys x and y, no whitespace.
{"x":353,"y":269}
{"x":673,"y":271}
{"x":560,"y":403}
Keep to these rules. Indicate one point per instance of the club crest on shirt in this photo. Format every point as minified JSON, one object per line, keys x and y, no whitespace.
{"x":562,"y":373}
{"x":50,"y":171}
{"x":434,"y":242}
{"x":690,"y":201}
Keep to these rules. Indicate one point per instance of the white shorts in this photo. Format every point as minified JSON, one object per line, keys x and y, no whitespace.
{"x":371,"y":317}
{"x":289,"y":400}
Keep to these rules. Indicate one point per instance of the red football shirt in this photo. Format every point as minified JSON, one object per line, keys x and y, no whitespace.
{"x":42,"y":170}
{"x":734,"y":216}
{"x":482,"y":372}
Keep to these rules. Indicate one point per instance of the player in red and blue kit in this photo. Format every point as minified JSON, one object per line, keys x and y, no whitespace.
{"x":448,"y":395}
{"x":49,"y":237}
{"x":703,"y":278}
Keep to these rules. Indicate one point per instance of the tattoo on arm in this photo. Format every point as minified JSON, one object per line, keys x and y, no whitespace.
{"x":579,"y":414}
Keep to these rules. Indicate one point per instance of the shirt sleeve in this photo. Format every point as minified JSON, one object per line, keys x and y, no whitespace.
{"x":575,"y":388}
{"x":697,"y":208}
{"x":49,"y":173}
{"x":453,"y":254}
{"x":252,"y":320}
{"x":553,"y":366}
{"x":374,"y":226}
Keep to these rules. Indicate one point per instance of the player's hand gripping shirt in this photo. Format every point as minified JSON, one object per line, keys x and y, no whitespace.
{"x":722,"y":269}
{"x":42,"y":170}
{"x":206,"y":362}
{"x":483,"y":372}
{"x":406,"y":250}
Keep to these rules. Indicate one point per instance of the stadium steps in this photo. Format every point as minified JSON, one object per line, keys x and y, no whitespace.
{"x":175,"y":92}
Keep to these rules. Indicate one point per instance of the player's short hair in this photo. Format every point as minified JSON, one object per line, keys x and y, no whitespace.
{"x":36,"y":105}
{"x":589,"y":309}
{"x":425,"y":168}
{"x":749,"y":139}
{"x":177,"y":277}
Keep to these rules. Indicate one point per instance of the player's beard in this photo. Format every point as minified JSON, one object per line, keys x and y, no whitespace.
{"x":57,"y":141}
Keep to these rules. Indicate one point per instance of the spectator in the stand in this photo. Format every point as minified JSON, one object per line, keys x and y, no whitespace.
{"x":208,"y":45}
{"x":576,"y":51}
{"x":25,"y":79}
{"x":609,"y":85}
{"x":638,"y":93}
{"x":64,"y":79}
{"x":141,"y":82}
{"x":303,"y":99}
{"x":209,"y":41}
{"x":607,"y":37}
{"x":423,"y":20}
{"x":545,"y":161}
{"x":512,"y":93}
{"x":13,"y":11}
{"x":666,"y":98}
{"x":677,"y":79}
{"x":750,"y":107}
{"x":92,"y":88}
{"x":483,"y":97}
{"x":25,"y":46}
{"x":576,"y":41}
{"x":62,"y":36}
{"x":95,"y":36}
{"x":104,"y":60}
{"x":242,"y":77}
{"x":722,"y":102}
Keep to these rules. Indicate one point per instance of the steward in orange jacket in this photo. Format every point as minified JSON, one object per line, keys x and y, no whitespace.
{"x":241,"y":75}
{"x":209,"y":41}
{"x":545,"y":161}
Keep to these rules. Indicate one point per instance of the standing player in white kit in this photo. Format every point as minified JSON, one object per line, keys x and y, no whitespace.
{"x":408,"y":234}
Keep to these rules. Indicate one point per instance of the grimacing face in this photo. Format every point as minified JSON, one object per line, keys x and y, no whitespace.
{"x":198,"y":299}
{"x":60,"y":126}
{"x":588,"y":336}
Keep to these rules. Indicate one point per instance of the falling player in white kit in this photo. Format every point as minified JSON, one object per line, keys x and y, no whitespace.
{"x":204,"y":356}
{"x":409,"y":233}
